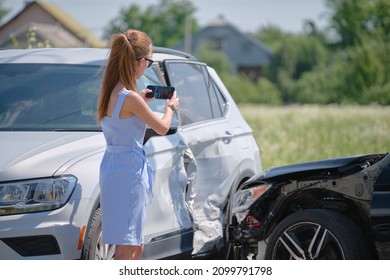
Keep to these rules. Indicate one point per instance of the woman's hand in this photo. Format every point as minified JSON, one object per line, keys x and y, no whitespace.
{"x":143,"y":93}
{"x":173,"y":103}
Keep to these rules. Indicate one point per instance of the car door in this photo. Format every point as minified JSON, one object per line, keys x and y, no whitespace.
{"x":209,"y":136}
{"x":168,"y":225}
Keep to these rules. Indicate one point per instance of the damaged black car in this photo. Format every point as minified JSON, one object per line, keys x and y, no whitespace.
{"x":331,"y":209}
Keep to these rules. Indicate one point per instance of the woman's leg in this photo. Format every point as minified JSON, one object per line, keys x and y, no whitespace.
{"x":138,"y":252}
{"x":128,"y":252}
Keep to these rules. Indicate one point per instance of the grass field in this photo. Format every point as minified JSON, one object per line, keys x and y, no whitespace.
{"x":295,"y":134}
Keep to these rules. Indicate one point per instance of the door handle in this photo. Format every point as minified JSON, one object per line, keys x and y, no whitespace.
{"x":228,"y":137}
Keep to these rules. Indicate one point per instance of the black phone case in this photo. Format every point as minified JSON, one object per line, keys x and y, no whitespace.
{"x":160,"y":92}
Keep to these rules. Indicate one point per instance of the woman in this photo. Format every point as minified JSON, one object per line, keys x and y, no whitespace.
{"x":125,"y":174}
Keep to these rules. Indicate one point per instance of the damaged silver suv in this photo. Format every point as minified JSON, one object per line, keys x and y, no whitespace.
{"x":51,"y":148}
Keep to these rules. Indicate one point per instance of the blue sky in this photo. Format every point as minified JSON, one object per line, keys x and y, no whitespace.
{"x":247,"y":15}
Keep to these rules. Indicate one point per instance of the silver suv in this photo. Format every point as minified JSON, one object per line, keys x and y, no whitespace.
{"x":51,"y":148}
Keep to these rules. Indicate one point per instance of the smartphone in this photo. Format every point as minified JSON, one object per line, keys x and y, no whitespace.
{"x":160,"y":92}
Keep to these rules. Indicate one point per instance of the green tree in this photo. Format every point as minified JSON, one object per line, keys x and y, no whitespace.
{"x":244,"y":90}
{"x":164,"y":22}
{"x":362,"y":51}
{"x":356,"y":75}
{"x":355,"y":21}
{"x":272,"y":36}
{"x":296,"y":55}
{"x":350,"y":66}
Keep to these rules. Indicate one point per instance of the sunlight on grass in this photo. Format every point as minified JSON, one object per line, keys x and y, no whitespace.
{"x":293,"y":134}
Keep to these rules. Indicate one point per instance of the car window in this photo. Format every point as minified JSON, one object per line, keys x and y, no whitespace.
{"x":151,"y":77}
{"x":200,"y":98}
{"x":217,"y":100}
{"x":54,"y":96}
{"x":190,"y":82}
{"x":48,"y":96}
{"x":222,"y":103}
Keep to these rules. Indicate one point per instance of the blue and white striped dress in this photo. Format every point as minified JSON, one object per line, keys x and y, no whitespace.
{"x":125,"y":178}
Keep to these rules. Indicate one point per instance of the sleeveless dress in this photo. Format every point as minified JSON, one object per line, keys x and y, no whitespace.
{"x":125,"y":178}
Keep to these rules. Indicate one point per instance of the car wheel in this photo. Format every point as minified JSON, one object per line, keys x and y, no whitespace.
{"x":316,"y":234}
{"x":94,"y":248}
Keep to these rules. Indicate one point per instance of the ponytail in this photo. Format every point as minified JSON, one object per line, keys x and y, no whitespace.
{"x":126,"y":50}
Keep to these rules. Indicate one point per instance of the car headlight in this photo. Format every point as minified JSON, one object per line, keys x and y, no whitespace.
{"x":35,"y":195}
{"x":245,"y":198}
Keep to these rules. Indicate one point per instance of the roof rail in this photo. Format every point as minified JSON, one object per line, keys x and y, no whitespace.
{"x":174,"y":52}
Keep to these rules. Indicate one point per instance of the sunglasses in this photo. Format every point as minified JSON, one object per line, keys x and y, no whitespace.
{"x":150,"y":62}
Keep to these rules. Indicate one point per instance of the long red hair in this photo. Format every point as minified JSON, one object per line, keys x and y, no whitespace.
{"x":126,"y":49}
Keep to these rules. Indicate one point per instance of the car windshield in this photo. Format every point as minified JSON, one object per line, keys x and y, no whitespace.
{"x":47,"y":97}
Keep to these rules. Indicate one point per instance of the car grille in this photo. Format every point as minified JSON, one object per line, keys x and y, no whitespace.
{"x":29,"y":246}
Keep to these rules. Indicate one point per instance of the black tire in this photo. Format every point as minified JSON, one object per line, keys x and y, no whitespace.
{"x":94,"y":248}
{"x":317,"y":234}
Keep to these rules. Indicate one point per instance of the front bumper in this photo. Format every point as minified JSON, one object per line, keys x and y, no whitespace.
{"x":48,"y":235}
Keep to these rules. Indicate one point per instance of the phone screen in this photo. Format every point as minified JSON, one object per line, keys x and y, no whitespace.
{"x":160,"y":92}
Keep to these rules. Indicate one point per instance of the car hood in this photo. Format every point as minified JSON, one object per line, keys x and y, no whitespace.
{"x":335,"y":166}
{"x":27,"y":155}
